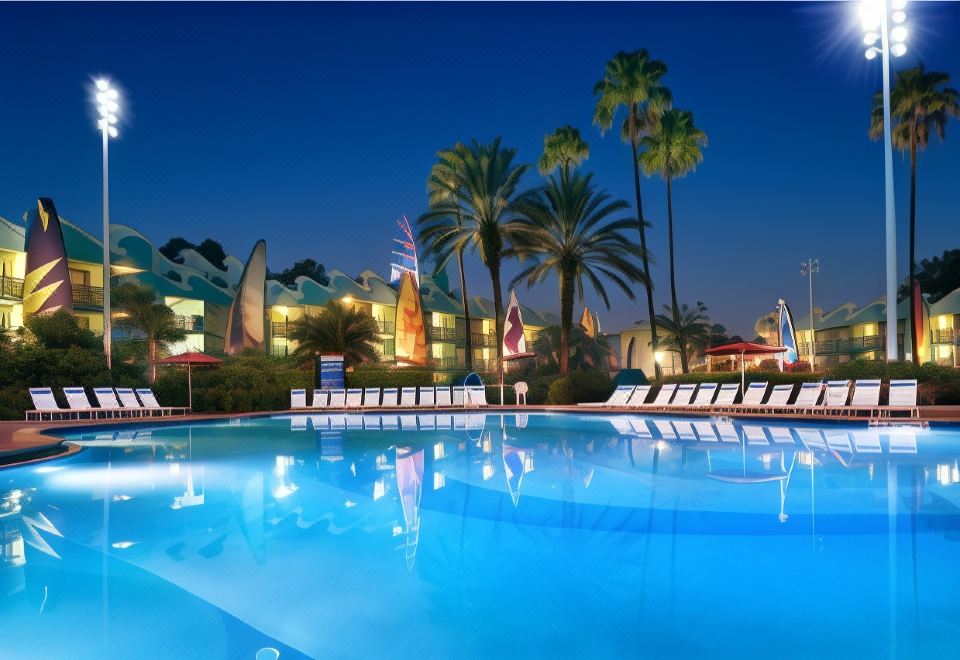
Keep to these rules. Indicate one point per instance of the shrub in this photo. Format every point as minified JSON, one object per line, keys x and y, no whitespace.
{"x":384,"y":376}
{"x":580,"y":386}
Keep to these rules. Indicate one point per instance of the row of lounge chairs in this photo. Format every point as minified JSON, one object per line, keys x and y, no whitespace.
{"x":827,"y":398}
{"x":111,"y":404}
{"x":459,"y":396}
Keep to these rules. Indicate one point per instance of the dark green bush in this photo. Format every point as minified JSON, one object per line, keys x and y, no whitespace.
{"x":383,"y":376}
{"x":580,"y":386}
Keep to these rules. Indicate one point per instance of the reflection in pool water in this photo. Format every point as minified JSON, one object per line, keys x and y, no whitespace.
{"x":475,"y":535}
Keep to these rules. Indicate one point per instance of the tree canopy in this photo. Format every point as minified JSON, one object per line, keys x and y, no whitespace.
{"x":209,"y":249}
{"x":306,"y":268}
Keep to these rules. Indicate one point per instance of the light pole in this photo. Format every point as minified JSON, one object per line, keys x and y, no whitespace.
{"x":108,"y":107}
{"x":807,"y":269}
{"x":876,"y":15}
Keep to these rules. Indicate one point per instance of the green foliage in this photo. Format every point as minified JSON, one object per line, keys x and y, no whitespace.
{"x":303,"y":268}
{"x":209,"y":249}
{"x":688,"y":331}
{"x":145,"y":318}
{"x":564,"y":148}
{"x":585,"y":352}
{"x":59,"y":330}
{"x":938,"y":276}
{"x":580,"y":386}
{"x":383,"y":376}
{"x":339,"y":329}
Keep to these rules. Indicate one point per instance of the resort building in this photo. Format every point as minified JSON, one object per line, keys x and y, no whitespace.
{"x":200,"y":294}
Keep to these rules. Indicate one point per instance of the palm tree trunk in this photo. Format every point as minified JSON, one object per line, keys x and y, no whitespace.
{"x":914,"y":339}
{"x":498,"y":312}
{"x":648,"y":285}
{"x":566,"y":321}
{"x":673,"y":279}
{"x":152,"y":368}
{"x":465,"y":300}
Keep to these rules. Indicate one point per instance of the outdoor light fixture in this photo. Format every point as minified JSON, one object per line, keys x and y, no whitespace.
{"x":875,"y":18}
{"x":107,"y":100}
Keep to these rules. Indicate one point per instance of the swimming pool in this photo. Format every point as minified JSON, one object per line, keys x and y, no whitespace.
{"x":541,"y":535}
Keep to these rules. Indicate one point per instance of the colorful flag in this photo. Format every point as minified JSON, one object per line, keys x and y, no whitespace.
{"x":587,"y":323}
{"x":514,"y":342}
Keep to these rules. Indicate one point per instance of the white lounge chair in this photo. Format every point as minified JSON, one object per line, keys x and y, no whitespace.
{"x":354,"y":397}
{"x":321,"y":398}
{"x":130,"y":401}
{"x":639,"y":397}
{"x":866,"y":397}
{"x":391,"y":397}
{"x":778,"y":398}
{"x":683,"y":396}
{"x":78,"y":402}
{"x":477,"y":395}
{"x":338,"y":398}
{"x":902,"y":398}
{"x":807,"y":397}
{"x":298,"y":399}
{"x":443,"y":399}
{"x":44,"y":403}
{"x":459,"y":396}
{"x":835,"y":397}
{"x":150,"y":402}
{"x":107,"y":400}
{"x":752,"y":398}
{"x":619,"y":397}
{"x":408,"y":397}
{"x":371,"y":397}
{"x":427,"y":397}
{"x":705,"y":395}
{"x":726,"y":396}
{"x":664,"y":395}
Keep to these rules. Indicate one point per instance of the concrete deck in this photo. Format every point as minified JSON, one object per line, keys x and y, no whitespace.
{"x":25,"y":442}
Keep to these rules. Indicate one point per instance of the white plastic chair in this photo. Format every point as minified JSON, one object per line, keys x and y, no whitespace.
{"x":520,"y":389}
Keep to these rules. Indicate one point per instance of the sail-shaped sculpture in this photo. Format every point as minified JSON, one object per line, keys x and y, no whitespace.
{"x":410,"y":487}
{"x":587,"y":323}
{"x":514,"y":343}
{"x":515,"y":461}
{"x":246,"y":317}
{"x":411,"y":334}
{"x":405,"y":253}
{"x":788,"y":338}
{"x":46,"y":286}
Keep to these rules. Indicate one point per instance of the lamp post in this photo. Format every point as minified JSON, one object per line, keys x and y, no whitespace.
{"x":807,"y":269}
{"x":108,"y":107}
{"x":876,"y":17}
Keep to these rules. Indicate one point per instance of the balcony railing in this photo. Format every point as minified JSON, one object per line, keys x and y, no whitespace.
{"x":87,"y":296}
{"x":483,"y":340}
{"x":439,"y":333}
{"x":190,"y":323}
{"x":386,"y":327}
{"x":278,"y":328}
{"x":484,"y":366}
{"x":847,"y":345}
{"x":445,"y":363}
{"x":946,"y":336}
{"x":11,"y":287}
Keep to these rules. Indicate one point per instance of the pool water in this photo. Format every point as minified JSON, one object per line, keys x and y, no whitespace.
{"x":520,"y":536}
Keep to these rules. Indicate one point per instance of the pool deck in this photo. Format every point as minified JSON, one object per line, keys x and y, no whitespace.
{"x":24,"y":442}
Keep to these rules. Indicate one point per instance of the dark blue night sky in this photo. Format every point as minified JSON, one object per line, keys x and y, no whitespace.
{"x":314,"y":126}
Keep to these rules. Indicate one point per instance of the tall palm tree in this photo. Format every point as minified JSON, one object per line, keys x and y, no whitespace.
{"x":584,"y":351}
{"x":338,"y":329}
{"x":564,"y":148}
{"x":445,"y":186}
{"x":568,"y":229}
{"x":486,"y":203}
{"x":632,"y":81}
{"x":139,"y":313}
{"x":689,"y":330}
{"x":673,"y":150}
{"x":920,"y":104}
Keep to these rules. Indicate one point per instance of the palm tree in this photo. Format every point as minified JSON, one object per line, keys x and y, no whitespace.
{"x":920,"y":103}
{"x":632,"y":81}
{"x":338,"y":329}
{"x":672,"y":151}
{"x":564,"y":149}
{"x":689,"y":330}
{"x":478,"y":215}
{"x":445,"y":186}
{"x":139,"y":313}
{"x":584,"y":351}
{"x":564,"y":229}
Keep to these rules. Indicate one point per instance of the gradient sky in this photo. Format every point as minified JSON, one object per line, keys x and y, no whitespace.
{"x":314,"y":126}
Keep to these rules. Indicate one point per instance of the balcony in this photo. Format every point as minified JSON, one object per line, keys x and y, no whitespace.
{"x":438,"y":333}
{"x":445,"y":363}
{"x":483,"y":340}
{"x":386,"y":327}
{"x":85,"y":295}
{"x":846,"y":345}
{"x":192,"y":323}
{"x":11,"y":287}
{"x":278,"y":328}
{"x":484,"y":366}
{"x":946,"y":336}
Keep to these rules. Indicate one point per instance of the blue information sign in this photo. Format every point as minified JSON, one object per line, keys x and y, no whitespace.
{"x":330,"y":372}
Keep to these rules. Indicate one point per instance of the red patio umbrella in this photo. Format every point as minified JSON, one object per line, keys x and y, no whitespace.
{"x":191,"y":359}
{"x":744,"y":348}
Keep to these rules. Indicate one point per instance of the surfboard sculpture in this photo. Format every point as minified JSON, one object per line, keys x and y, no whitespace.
{"x":46,"y":287}
{"x":246,"y":316}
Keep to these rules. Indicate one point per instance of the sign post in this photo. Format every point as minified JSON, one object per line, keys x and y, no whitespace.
{"x":329,"y":372}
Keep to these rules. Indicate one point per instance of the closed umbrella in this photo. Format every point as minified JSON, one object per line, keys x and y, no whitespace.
{"x":191,"y":359}
{"x":744,"y":348}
